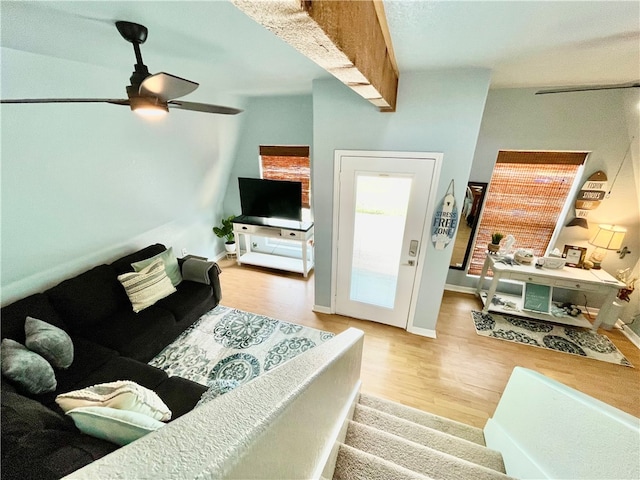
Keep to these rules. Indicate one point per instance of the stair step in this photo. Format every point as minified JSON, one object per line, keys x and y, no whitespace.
{"x":468,"y":432}
{"x":415,"y":457}
{"x":354,"y":464}
{"x":429,"y":437}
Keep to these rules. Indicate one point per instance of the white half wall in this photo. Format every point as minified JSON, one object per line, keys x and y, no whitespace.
{"x":281,"y":425}
{"x":545,"y":429}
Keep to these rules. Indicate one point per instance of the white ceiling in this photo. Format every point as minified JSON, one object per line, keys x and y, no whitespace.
{"x":525,"y":44}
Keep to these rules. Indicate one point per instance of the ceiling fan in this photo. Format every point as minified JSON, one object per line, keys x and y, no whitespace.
{"x":588,"y":88}
{"x":148,"y":94}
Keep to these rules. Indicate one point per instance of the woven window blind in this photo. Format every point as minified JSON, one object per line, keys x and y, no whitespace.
{"x":290,"y":164}
{"x":525,"y":199}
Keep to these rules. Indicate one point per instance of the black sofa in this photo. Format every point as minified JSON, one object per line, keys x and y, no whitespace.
{"x":110,"y":343}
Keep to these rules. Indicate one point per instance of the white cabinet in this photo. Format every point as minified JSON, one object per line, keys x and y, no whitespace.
{"x":300,"y":232}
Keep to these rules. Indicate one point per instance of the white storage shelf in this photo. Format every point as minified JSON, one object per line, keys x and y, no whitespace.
{"x":597,"y":281}
{"x":578,"y":321}
{"x":274,"y":261}
{"x":302,"y":235}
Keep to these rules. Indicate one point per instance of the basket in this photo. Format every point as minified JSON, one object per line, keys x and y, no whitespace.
{"x":522,"y":257}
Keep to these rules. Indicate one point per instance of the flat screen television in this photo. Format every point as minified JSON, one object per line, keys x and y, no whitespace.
{"x":270,"y":198}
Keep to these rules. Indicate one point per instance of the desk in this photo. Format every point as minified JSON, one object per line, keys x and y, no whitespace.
{"x":566,"y":278}
{"x":301,"y":232}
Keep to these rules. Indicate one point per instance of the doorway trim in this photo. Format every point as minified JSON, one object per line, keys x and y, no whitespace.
{"x":426,"y":233}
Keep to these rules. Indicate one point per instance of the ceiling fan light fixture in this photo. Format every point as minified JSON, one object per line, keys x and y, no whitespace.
{"x":147,"y":95}
{"x":148,"y":107}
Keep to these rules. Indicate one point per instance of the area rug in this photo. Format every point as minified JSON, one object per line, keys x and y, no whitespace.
{"x":537,"y":333}
{"x":226,"y":348}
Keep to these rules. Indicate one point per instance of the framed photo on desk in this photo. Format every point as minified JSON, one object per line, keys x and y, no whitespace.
{"x":574,"y":255}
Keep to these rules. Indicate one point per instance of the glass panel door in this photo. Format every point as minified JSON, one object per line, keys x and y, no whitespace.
{"x":380,"y":215}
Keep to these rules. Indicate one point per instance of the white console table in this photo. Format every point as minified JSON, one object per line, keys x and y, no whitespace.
{"x":302,"y":232}
{"x":566,"y":278}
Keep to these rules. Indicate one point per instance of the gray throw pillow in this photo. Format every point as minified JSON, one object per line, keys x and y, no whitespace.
{"x":26,"y":368}
{"x":52,"y":343}
{"x":171,"y":266}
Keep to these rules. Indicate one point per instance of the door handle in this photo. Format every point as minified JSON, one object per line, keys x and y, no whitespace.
{"x":413,"y":248}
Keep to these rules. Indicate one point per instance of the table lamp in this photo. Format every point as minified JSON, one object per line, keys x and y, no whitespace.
{"x":608,"y":237}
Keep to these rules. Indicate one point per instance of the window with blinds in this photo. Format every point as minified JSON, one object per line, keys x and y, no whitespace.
{"x":526,"y":195}
{"x":289,"y":163}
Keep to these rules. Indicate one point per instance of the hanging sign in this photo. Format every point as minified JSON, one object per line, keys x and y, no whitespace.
{"x":445,"y":220}
{"x":589,"y":198}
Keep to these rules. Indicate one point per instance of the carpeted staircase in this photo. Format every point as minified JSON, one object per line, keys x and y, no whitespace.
{"x":387,"y":440}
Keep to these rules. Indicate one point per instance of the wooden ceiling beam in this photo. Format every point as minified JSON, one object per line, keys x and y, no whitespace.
{"x":349,"y":39}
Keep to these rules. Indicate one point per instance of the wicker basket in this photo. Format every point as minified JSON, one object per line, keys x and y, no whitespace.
{"x":523,"y":258}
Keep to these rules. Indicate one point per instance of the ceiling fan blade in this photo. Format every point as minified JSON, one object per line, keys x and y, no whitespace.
{"x":116,"y":101}
{"x":588,"y":88}
{"x":166,"y":86}
{"x":203,"y":107}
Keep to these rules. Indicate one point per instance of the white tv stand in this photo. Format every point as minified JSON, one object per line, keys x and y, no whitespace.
{"x":302,"y":232}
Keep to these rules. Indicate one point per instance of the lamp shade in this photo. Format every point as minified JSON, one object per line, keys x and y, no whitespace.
{"x":609,"y":237}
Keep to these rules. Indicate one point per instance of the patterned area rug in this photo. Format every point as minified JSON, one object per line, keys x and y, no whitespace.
{"x":226,"y":348}
{"x":562,"y":338}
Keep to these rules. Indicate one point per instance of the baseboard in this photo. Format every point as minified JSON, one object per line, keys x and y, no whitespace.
{"x":322,"y":309}
{"x":459,"y":289}
{"x":630,"y":334}
{"x":220,"y":256}
{"x":425,"y":332}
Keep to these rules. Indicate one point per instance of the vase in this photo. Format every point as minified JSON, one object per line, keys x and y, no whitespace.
{"x":493,"y":248}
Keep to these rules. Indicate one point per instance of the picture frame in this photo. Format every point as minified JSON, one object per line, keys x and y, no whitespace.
{"x":574,"y":255}
{"x":537,"y":298}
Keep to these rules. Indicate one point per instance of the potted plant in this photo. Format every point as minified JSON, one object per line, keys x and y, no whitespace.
{"x":225,"y":230}
{"x":494,"y":246}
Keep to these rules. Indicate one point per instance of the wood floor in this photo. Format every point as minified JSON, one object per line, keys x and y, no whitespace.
{"x":459,"y":375}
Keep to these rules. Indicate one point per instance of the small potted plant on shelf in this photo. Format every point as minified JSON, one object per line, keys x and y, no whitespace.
{"x":494,"y":246}
{"x":225,"y":230}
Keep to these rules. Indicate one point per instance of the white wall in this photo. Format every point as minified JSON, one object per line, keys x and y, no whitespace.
{"x":436,"y":112}
{"x":598,"y":122}
{"x":84,"y":183}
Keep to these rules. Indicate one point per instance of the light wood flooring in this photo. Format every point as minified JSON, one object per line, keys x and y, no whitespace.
{"x":459,"y":375}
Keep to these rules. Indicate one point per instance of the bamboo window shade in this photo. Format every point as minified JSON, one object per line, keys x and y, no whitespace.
{"x":525,"y":198}
{"x":289,"y":163}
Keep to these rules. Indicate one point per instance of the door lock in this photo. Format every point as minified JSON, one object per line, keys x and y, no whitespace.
{"x":411,"y":263}
{"x":413,"y":248}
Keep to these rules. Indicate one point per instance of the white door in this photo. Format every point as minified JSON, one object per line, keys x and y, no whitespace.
{"x":383,"y":198}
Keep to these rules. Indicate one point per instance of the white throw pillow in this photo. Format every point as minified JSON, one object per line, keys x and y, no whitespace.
{"x":117,"y":426}
{"x":120,"y":395}
{"x":146,"y":287}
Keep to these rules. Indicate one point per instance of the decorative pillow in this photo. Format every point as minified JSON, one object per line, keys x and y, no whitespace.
{"x":26,"y":368}
{"x":171,"y":266}
{"x":52,"y":343}
{"x":117,"y":426}
{"x":121,"y":395}
{"x":146,"y":287}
